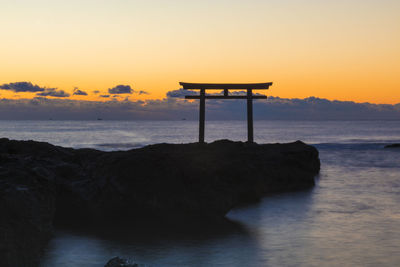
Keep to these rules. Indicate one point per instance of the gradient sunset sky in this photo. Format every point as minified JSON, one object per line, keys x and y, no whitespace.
{"x":345,"y":50}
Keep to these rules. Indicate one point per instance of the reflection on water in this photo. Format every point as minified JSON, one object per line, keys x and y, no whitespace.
{"x":350,"y":218}
{"x":186,"y":244}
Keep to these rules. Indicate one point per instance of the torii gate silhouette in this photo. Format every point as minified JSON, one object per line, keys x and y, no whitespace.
{"x":226,"y":87}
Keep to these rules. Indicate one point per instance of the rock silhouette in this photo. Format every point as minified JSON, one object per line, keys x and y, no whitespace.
{"x":393,"y":146}
{"x":41,"y":184}
{"x":119,"y":262}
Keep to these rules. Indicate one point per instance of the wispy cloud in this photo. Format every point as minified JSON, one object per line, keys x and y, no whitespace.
{"x":53,"y":92}
{"x":181,"y":93}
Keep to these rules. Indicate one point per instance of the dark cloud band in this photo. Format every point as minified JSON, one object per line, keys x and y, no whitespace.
{"x":173,"y":108}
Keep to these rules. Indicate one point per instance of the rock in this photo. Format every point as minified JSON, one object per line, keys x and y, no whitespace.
{"x":191,"y":180}
{"x":393,"y":146}
{"x":27,"y":207}
{"x":118,"y":262}
{"x":41,"y":183}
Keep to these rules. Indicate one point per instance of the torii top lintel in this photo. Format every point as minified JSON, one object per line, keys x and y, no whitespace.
{"x":218,"y":86}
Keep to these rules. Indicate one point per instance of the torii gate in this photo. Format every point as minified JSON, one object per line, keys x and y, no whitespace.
{"x":226,"y":87}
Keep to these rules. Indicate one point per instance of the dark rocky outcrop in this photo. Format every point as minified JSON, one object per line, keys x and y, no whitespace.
{"x":393,"y":146}
{"x":119,"y":262}
{"x":41,"y":183}
{"x":27,"y":207}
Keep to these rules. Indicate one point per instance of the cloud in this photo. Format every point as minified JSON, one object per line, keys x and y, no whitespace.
{"x":79,"y":92}
{"x":173,"y":108}
{"x":181,"y":93}
{"x":22,"y":87}
{"x":121,"y":89}
{"x":53,"y":92}
{"x":96,"y":92}
{"x":141,"y":92}
{"x":69,"y":109}
{"x":105,"y":96}
{"x":235,"y":93}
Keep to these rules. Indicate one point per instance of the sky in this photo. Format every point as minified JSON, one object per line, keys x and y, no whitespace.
{"x":336,"y":50}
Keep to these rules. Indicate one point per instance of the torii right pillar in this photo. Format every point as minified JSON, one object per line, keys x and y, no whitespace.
{"x":250,"y":135}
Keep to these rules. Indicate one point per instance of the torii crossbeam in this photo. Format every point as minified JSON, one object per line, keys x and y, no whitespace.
{"x":249,"y":87}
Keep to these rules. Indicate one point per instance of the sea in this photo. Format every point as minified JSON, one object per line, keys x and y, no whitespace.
{"x":350,"y":218}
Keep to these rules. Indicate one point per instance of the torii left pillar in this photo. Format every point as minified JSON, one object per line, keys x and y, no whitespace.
{"x":202,"y":115}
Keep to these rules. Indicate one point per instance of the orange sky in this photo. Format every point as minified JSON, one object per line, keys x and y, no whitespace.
{"x":346,"y":50}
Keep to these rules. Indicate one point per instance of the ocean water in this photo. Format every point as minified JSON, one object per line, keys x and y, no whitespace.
{"x":350,"y":218}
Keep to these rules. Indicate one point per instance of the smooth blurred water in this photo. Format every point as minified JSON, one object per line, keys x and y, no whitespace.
{"x":350,"y":218}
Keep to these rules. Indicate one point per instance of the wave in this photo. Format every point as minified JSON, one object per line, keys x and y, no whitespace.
{"x":369,"y":145}
{"x":370,"y":140}
{"x":120,"y":145}
{"x":354,"y":146}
